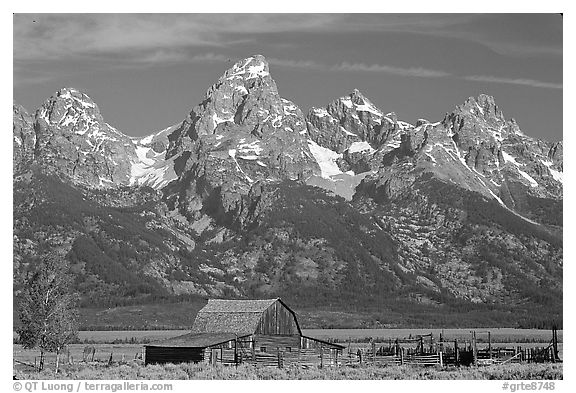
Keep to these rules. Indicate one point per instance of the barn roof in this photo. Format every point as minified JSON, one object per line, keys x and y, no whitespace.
{"x":238,"y":316}
{"x":224,"y":305}
{"x":195,"y":340}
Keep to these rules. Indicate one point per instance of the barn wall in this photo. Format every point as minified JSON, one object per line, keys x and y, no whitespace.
{"x":221,"y":354}
{"x":273,"y":342}
{"x":277,"y":319}
{"x":159,"y":355}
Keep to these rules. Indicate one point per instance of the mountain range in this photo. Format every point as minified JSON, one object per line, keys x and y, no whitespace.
{"x":344,"y":209}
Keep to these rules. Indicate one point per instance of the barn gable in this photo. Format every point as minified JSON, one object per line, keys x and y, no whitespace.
{"x":267,"y":316}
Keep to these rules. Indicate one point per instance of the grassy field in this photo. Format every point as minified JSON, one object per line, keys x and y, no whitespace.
{"x":125,"y":347}
{"x":498,"y":335}
{"x":135,"y":371}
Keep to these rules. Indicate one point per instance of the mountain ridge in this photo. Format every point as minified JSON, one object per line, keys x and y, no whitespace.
{"x":226,"y":202}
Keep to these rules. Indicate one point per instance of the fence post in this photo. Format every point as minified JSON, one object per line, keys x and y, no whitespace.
{"x":278,"y":356}
{"x":441,"y":360}
{"x":401,"y":356}
{"x":456,"y":353}
{"x":441,"y":342}
{"x":321,"y":356}
{"x":236,"y":351}
{"x":474,"y":349}
{"x":490,"y":345}
{"x":555,"y":343}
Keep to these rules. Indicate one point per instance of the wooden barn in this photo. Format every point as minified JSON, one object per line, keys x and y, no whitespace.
{"x":264,"y":332}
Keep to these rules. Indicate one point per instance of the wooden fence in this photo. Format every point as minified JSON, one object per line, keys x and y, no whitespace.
{"x":414,"y":351}
{"x":305,"y":358}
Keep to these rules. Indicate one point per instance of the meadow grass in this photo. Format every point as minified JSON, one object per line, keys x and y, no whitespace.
{"x":185,"y":371}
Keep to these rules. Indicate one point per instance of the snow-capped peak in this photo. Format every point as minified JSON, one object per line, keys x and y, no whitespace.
{"x":249,"y":68}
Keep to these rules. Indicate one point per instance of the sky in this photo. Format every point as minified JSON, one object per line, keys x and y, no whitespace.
{"x":147,"y":71}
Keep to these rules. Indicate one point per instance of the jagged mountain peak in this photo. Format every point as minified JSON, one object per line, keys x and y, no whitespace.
{"x":357,"y":95}
{"x":255,"y":66}
{"x":75,"y":97}
{"x":243,"y":96}
{"x":242,"y":135}
{"x":73,"y":140}
{"x":483,"y":106}
{"x":69,"y":108}
{"x":357,"y":102}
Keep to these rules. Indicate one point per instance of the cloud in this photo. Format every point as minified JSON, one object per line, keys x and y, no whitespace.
{"x":513,"y":81}
{"x":57,"y":36}
{"x":302,"y":64}
{"x":379,"y":68}
{"x":505,"y":34}
{"x":163,"y":56}
{"x":358,"y":67}
{"x":146,"y":59}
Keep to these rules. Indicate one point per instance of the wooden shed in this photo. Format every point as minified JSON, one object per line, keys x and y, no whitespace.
{"x":262,"y":332}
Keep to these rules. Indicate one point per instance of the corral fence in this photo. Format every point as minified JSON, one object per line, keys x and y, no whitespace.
{"x":422,"y":350}
{"x":89,"y":355}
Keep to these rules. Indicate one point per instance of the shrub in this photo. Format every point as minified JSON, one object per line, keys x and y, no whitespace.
{"x":204,"y":371}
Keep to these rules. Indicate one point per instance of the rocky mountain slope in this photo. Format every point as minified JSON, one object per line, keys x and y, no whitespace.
{"x":345,"y":208}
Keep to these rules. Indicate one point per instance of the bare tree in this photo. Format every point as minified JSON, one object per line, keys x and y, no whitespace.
{"x":47,"y":308}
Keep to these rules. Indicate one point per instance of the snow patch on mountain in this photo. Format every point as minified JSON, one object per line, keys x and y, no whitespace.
{"x":241,"y":89}
{"x":511,"y":159}
{"x":252,"y":148}
{"x":320,"y":112}
{"x":326,"y":159}
{"x":218,"y":120}
{"x":360,"y":146}
{"x":151,"y":169}
{"x":533,"y":183}
{"x":368,"y":107}
{"x":232,"y":154}
{"x":404,"y":125}
{"x":248,"y":70}
{"x":344,"y":130}
{"x":556,"y":175}
{"x":347,"y":102}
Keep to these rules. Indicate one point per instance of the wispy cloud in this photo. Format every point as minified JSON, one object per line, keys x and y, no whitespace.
{"x":359,"y":67}
{"x":380,"y":68}
{"x":57,"y":36}
{"x":418,"y":72}
{"x":303,"y":64}
{"x":49,"y":36}
{"x":165,"y":56}
{"x":513,"y":81}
